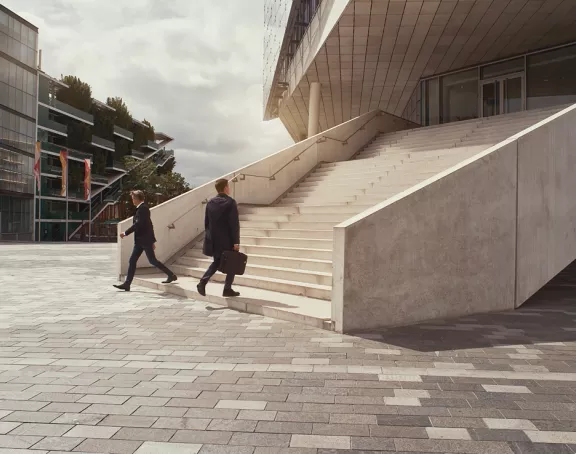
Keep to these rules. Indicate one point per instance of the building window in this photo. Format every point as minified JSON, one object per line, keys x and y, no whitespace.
{"x":459,"y":94}
{"x":431,"y":102}
{"x":550,"y":78}
{"x":503,"y":68}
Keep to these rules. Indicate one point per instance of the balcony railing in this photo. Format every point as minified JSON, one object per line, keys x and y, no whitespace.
{"x":49,"y":192}
{"x":72,"y":111}
{"x":49,"y":168}
{"x":47,"y":146}
{"x":152,"y":145}
{"x":79,"y":215}
{"x":103,"y":143}
{"x":99,"y":178}
{"x":124,"y":133}
{"x":116,"y":166}
{"x":76,"y":193}
{"x":53,"y":125}
{"x":138,"y":154}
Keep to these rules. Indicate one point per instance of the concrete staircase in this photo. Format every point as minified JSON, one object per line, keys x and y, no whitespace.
{"x":290,"y":245}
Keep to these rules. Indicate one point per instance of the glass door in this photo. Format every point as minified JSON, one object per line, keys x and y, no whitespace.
{"x":503,"y":95}
{"x":491,"y":98}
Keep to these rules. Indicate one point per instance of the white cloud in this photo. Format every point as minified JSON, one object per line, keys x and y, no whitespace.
{"x":194,"y":69}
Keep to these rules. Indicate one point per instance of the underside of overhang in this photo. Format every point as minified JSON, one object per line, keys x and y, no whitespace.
{"x":377,"y":52}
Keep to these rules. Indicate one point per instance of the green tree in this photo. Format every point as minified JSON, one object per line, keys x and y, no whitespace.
{"x":78,"y":94}
{"x":158,"y":188}
{"x":123,"y":117}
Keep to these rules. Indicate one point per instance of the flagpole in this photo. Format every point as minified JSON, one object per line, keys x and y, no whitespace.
{"x":67,"y":185}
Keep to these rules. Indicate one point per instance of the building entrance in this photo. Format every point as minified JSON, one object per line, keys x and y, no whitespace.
{"x":502,"y":95}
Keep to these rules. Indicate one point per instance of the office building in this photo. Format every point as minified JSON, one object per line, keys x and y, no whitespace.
{"x":18,"y":93}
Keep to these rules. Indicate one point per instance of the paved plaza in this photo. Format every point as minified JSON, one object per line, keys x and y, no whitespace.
{"x":85,"y":368}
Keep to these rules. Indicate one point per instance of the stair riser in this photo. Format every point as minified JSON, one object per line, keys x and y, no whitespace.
{"x":288,"y":242}
{"x":296,"y":218}
{"x":309,"y":234}
{"x":282,"y":262}
{"x":416,"y":144}
{"x":287,"y":225}
{"x":286,"y":252}
{"x":273,"y":286}
{"x":295,"y":275}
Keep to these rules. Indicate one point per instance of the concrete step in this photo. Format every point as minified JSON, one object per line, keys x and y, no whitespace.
{"x":322,"y":292}
{"x":285,"y":210}
{"x":282,"y":306}
{"x":273,"y":270}
{"x":299,"y":218}
{"x":298,"y":263}
{"x":288,"y":225}
{"x":276,"y":233}
{"x":304,"y":243}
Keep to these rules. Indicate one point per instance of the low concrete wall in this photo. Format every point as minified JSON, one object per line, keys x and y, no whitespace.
{"x":482,"y":236}
{"x":185,"y":213}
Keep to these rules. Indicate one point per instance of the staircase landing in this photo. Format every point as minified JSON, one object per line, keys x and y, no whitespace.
{"x":282,"y":306}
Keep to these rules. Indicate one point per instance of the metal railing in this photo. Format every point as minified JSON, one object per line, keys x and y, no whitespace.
{"x":171,"y":226}
{"x":71,"y":110}
{"x":54,"y":125}
{"x":321,"y":139}
{"x":99,"y":141}
{"x":47,"y":146}
{"x":123,"y":132}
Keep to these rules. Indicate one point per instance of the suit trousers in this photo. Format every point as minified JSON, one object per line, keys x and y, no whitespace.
{"x":150,"y":255}
{"x":211,"y":271}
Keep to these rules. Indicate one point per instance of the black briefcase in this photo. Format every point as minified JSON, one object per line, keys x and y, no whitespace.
{"x":233,"y":262}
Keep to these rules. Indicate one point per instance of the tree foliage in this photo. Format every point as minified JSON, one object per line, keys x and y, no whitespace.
{"x":123,"y":117}
{"x":78,"y":94}
{"x":157,"y":187}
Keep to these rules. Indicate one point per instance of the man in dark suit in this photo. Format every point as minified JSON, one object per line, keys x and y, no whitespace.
{"x":222,"y":234}
{"x":144,"y":241}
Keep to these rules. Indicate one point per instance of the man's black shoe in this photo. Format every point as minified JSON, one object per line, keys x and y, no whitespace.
{"x":170,"y":279}
{"x":124,"y":287}
{"x":201,"y":288}
{"x":230,"y":292}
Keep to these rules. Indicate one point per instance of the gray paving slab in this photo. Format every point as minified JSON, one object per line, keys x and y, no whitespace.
{"x":89,"y":369}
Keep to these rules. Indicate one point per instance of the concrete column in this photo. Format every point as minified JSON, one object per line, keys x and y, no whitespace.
{"x":314,"y":109}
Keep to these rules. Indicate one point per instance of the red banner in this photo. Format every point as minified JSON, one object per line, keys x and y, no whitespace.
{"x":37,"y":165}
{"x":87,"y":179}
{"x":64,"y":162}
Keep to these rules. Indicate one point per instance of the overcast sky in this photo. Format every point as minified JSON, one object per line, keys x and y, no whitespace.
{"x":193,"y":68}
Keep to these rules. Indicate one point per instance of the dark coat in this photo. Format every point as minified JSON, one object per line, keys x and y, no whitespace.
{"x":142,"y":227}
{"x":222,"y":225}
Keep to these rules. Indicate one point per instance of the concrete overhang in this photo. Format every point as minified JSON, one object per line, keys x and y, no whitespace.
{"x":376,"y":51}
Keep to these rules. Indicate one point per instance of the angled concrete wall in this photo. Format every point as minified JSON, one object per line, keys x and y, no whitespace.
{"x":178,"y":221}
{"x":483,"y":236}
{"x":546,"y":202}
{"x":443,"y":250}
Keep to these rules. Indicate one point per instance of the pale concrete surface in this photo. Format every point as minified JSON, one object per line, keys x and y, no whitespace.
{"x":84,"y":368}
{"x":445,"y":251}
{"x":546,"y":203}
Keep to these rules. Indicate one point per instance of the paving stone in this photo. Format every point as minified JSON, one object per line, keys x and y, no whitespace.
{"x":81,"y":431}
{"x":341,"y":429}
{"x":260,"y":439}
{"x":413,"y":421}
{"x":452,"y":446}
{"x":540,"y":448}
{"x":498,"y":435}
{"x":128,"y":421}
{"x":108,"y":446}
{"x":6,"y":427}
{"x":181,"y":423}
{"x":441,"y":433}
{"x":79,"y":418}
{"x":202,"y":437}
{"x":372,"y":444}
{"x":219,"y":449}
{"x":58,"y":443}
{"x":41,"y":430}
{"x":232,"y":426}
{"x":151,"y":447}
{"x":27,"y":416}
{"x":241,"y":405}
{"x":320,"y":441}
{"x":398,"y":432}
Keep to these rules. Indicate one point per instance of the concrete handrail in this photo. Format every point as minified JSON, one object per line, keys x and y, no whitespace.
{"x":188,"y":208}
{"x":482,"y":236}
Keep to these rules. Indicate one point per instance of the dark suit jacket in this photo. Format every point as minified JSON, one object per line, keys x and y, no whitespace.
{"x":222,"y":225}
{"x":142,"y":227}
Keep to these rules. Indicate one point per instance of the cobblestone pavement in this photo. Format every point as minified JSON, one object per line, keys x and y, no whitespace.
{"x":87,"y":369}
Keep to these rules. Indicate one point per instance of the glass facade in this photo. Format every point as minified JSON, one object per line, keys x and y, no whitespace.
{"x":18,"y":95}
{"x":534,"y":81}
{"x":276,"y":16}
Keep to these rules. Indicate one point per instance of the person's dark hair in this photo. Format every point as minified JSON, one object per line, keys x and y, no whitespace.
{"x":138,"y":195}
{"x":221,"y":185}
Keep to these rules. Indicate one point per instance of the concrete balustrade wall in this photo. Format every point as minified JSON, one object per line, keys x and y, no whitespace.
{"x":254,"y":186}
{"x":482,"y":236}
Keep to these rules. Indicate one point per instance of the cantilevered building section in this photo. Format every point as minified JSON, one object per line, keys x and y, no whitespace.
{"x":433,"y":61}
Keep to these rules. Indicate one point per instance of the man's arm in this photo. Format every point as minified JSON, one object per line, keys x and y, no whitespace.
{"x":234,"y":224}
{"x":143,"y":215}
